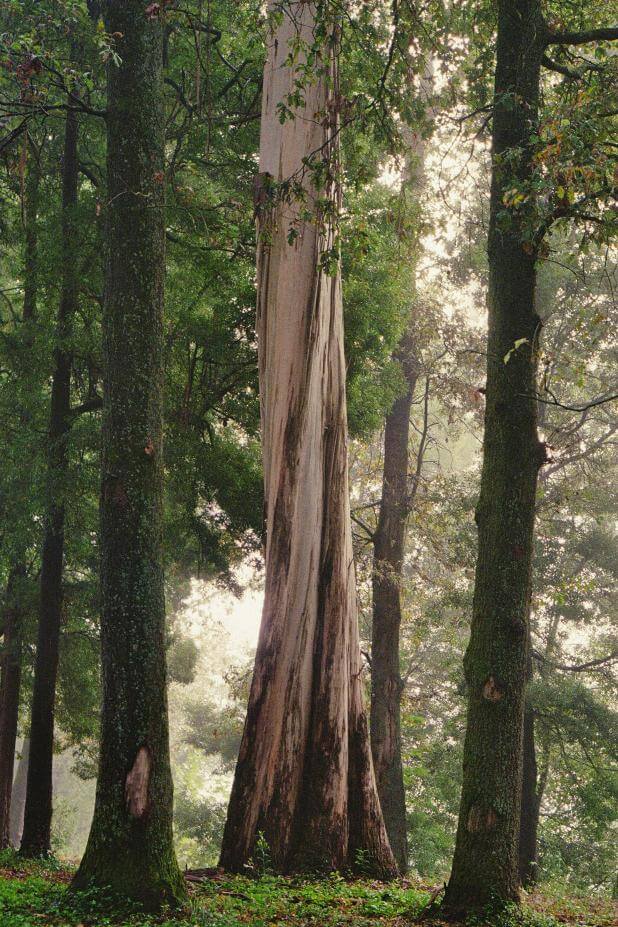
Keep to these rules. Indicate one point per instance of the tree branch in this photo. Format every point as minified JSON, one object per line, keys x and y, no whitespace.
{"x":576,"y":667}
{"x":608,"y":34}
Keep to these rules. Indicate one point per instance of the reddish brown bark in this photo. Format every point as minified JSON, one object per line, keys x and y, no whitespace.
{"x":304,"y":778}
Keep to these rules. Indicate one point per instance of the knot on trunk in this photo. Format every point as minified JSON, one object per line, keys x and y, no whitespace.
{"x":136,"y":784}
{"x":491,"y":691}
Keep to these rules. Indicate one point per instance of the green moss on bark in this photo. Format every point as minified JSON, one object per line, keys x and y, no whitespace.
{"x":130,"y":847}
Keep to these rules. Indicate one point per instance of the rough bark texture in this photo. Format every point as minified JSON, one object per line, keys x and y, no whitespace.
{"x":38,"y":813}
{"x":18,"y":796}
{"x":304,"y":778}
{"x":485,"y":866}
{"x":10,"y":680}
{"x":130,"y":846}
{"x":386,"y":682}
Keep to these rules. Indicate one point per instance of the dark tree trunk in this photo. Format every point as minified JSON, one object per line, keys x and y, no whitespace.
{"x":130,"y":846}
{"x":486,"y":861}
{"x":38,"y":813}
{"x":31,"y":207}
{"x":18,"y":796}
{"x":386,"y":682}
{"x":530,"y":805}
{"x":10,"y":680}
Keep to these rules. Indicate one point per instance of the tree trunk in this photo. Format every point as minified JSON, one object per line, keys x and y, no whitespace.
{"x":10,"y":673}
{"x":530,"y":805}
{"x":398,"y":493}
{"x":485,"y":865}
{"x":18,"y":796}
{"x":304,"y":780}
{"x":130,"y":847}
{"x":386,"y":682}
{"x":31,"y":207}
{"x":38,"y":813}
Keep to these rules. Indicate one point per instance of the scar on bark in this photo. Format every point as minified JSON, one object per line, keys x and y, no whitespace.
{"x":136,"y":785}
{"x":491,"y":691}
{"x":481,"y":819}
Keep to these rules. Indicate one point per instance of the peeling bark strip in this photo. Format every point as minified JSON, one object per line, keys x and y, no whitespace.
{"x":304,"y":776}
{"x":136,"y":786}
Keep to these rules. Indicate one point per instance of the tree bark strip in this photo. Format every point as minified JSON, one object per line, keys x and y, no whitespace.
{"x":485,"y":865}
{"x":38,"y":812}
{"x":130,"y":847}
{"x":304,"y":778}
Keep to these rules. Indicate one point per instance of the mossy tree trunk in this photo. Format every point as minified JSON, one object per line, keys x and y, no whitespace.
{"x":130,"y":846}
{"x":485,"y":865}
{"x":38,"y":811}
{"x":10,"y":682}
{"x":304,"y":778}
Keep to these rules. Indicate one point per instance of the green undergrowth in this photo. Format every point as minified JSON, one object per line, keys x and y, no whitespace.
{"x":35,"y":894}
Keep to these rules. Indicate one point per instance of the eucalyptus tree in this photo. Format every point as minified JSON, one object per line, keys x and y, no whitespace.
{"x":304,"y":780}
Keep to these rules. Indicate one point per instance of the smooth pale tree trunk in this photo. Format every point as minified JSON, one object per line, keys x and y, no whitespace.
{"x":38,"y":812}
{"x":10,"y":681}
{"x":304,"y":780}
{"x":485,"y":865}
{"x":18,"y":795}
{"x":130,"y":847}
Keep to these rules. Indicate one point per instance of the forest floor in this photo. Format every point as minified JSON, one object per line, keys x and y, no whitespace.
{"x":34,"y":894}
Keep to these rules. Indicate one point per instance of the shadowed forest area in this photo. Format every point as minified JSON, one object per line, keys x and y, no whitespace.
{"x":308,"y":434}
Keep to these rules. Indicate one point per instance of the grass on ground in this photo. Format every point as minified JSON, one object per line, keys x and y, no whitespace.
{"x":34,"y":894}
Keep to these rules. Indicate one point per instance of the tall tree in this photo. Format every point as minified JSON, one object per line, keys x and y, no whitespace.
{"x":485,"y":866}
{"x":304,"y":780}
{"x":11,"y":625}
{"x":130,"y":846}
{"x":10,"y":676}
{"x":398,"y":491}
{"x":389,"y":545}
{"x":38,"y":810}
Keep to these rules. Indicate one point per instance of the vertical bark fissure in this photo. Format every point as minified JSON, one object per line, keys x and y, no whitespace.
{"x":304,"y":777}
{"x":485,"y":865}
{"x":130,"y":846}
{"x":38,"y":811}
